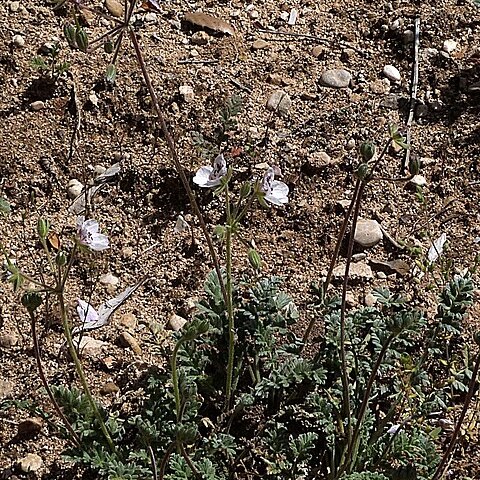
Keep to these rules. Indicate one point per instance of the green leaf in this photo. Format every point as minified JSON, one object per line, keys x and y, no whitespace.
{"x":111,"y":73}
{"x":4,"y":207}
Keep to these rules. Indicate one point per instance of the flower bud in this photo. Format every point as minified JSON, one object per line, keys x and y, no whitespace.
{"x":42,"y":228}
{"x":245,"y":190}
{"x":81,"y":39}
{"x":108,"y":46}
{"x":414,"y":165}
{"x":363,"y":171}
{"x":367,"y":150}
{"x":31,"y":300}
{"x":254,"y":259}
{"x":69,"y":31}
{"x":61,"y":259}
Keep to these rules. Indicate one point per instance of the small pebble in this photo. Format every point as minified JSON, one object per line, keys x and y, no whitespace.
{"x":392,"y":73}
{"x":336,"y":78}
{"x":38,"y":105}
{"x":109,"y":279}
{"x":358,"y":270}
{"x":200,"y":38}
{"x":115,"y":8}
{"x":127,"y":340}
{"x":317,"y":51}
{"x":14,"y":7}
{"x":129,"y":321}
{"x":253,"y":14}
{"x":18,"y":41}
{"x":279,"y":100}
{"x":284,"y":16}
{"x":8,"y":340}
{"x":91,"y":347}
{"x":75,"y":188}
{"x":108,"y":388}
{"x":292,"y":18}
{"x":449,"y":46}
{"x":151,"y":17}
{"x":350,"y":144}
{"x":30,"y":463}
{"x":127,"y":252}
{"x":418,"y":181}
{"x":408,"y":37}
{"x":381,"y":275}
{"x":260,"y":44}
{"x":368,"y":233}
{"x":176,"y":322}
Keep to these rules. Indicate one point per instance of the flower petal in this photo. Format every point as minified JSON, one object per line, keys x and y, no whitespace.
{"x":278,"y":194}
{"x":437,"y":248}
{"x":201,"y":178}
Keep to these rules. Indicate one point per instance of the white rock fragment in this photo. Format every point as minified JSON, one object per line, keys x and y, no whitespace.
{"x":37,"y":105}
{"x":18,"y":41}
{"x":449,"y":46}
{"x":392,"y":73}
{"x":200,"y":38}
{"x":359,"y":270}
{"x":368,"y":233}
{"x":186,"y":91}
{"x":292,"y":18}
{"x":109,"y":279}
{"x":176,"y":322}
{"x":75,"y":188}
{"x":418,"y":181}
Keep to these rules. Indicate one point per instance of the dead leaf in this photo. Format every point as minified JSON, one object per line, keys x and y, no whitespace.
{"x":151,"y":5}
{"x":208,"y":21}
{"x":115,"y":8}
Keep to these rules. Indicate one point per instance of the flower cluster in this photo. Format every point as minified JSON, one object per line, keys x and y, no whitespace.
{"x":275,"y":191}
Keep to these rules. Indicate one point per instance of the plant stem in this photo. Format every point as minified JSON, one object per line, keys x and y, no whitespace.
{"x":36,"y":347}
{"x":178,"y":166}
{"x":453,"y":441}
{"x":80,"y":372}
{"x":163,"y":464}
{"x":231,"y":322}
{"x":176,"y":388}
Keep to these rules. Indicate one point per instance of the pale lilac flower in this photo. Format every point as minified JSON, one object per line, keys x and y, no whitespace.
{"x":211,"y":176}
{"x":276,"y":192}
{"x":437,"y":248}
{"x":88,"y":234}
{"x":393,"y":429}
{"x":89,"y":317}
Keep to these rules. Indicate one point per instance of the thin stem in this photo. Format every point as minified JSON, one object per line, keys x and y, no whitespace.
{"x":189,"y":461}
{"x":231,"y":322}
{"x":176,"y":388}
{"x":81,"y":374}
{"x":43,"y":378}
{"x":163,"y":464}
{"x":153,"y":462}
{"x":353,"y":447}
{"x":178,"y":166}
{"x":453,"y":441}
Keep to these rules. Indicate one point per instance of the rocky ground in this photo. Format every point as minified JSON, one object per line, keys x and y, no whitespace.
{"x":315,"y":79}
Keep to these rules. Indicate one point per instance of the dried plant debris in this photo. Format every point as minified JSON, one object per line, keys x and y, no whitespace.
{"x":204,"y":20}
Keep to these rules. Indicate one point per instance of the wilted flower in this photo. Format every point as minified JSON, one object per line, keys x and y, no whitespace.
{"x":276,"y":192}
{"x":210,"y":176}
{"x":436,"y":248}
{"x":88,"y":316}
{"x":88,"y":234}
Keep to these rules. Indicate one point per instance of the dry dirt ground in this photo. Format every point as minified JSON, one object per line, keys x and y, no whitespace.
{"x":314,"y":142}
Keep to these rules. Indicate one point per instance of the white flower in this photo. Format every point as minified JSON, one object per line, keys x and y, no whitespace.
{"x":211,"y":176}
{"x":437,"y":248}
{"x":88,"y":316}
{"x":88,"y":234}
{"x":275,"y":192}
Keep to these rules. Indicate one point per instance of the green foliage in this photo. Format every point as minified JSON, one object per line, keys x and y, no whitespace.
{"x":4,"y":207}
{"x":50,"y":65}
{"x":289,"y":418}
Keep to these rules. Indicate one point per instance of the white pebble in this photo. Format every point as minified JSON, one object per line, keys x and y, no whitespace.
{"x":449,"y":46}
{"x":75,"y":188}
{"x":18,"y":41}
{"x":109,"y":279}
{"x":392,"y":73}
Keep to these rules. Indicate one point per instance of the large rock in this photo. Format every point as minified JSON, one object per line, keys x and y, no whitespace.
{"x":368,"y":233}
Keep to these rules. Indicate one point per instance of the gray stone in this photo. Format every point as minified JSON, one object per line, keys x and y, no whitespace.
{"x":408,"y":37}
{"x":200,"y":38}
{"x":368,"y":233}
{"x":14,"y":7}
{"x":6,"y":389}
{"x":359,"y":270}
{"x":336,"y":78}
{"x":279,"y":100}
{"x":129,"y":321}
{"x":108,"y":388}
{"x":392,"y":73}
{"x":8,"y":340}
{"x":91,"y":347}
{"x":30,"y":463}
{"x":449,"y":46}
